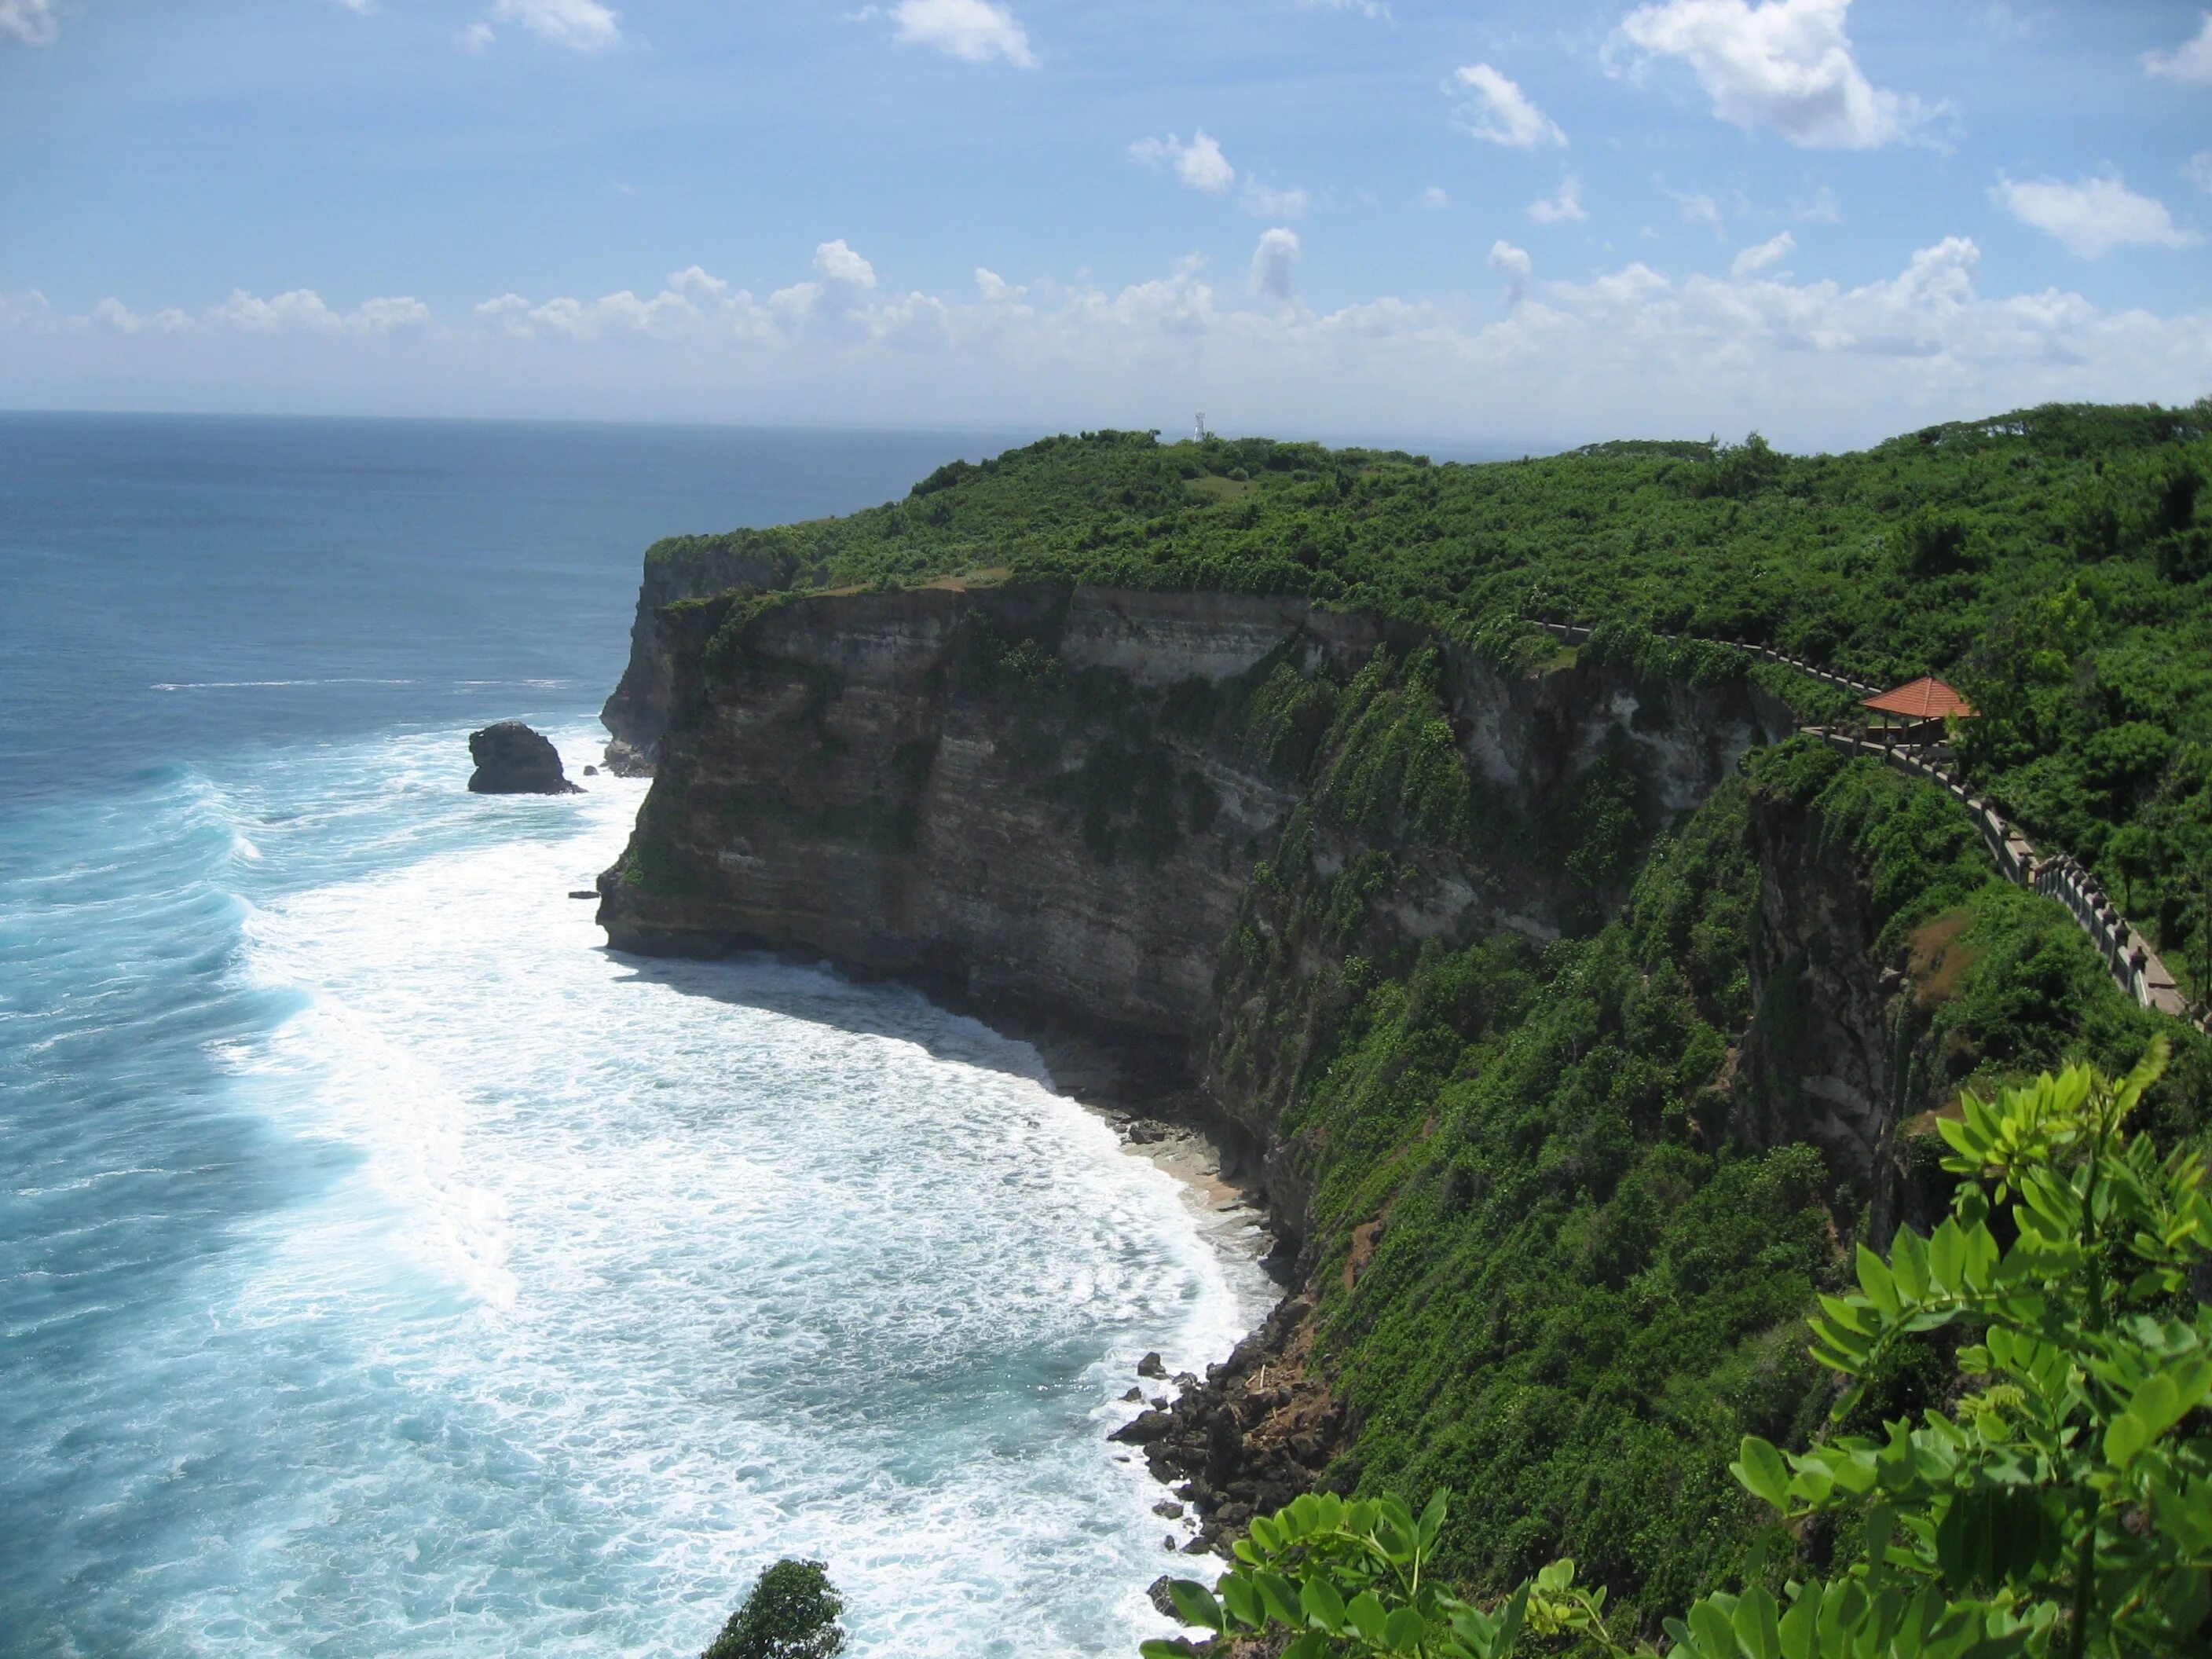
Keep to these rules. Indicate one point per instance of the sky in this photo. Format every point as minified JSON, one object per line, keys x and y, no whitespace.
{"x":1502,"y":226}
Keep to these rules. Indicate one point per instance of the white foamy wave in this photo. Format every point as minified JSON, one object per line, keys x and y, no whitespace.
{"x":260,"y":685}
{"x":623,"y":1277}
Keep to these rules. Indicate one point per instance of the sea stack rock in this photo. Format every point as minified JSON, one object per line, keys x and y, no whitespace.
{"x":513,"y":760}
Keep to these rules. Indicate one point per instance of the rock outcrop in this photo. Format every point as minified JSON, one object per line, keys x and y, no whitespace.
{"x":624,"y":761}
{"x":513,"y":760}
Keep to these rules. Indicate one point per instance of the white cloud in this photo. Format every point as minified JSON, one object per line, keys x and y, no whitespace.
{"x":1199,"y":163}
{"x":1435,"y":199}
{"x":1565,"y":207}
{"x":1632,"y":351}
{"x":1786,"y":65}
{"x":359,"y":8}
{"x":1517,"y":266}
{"x":30,"y":22}
{"x":476,"y":38}
{"x":112,"y":314}
{"x":1770,"y":251}
{"x":303,"y":311}
{"x":1698,"y":209}
{"x":2092,"y":217}
{"x":1375,"y":9}
{"x":1272,"y":263}
{"x":975,"y":30}
{"x":1503,"y":113}
{"x":2189,"y":63}
{"x":2197,"y":169}
{"x":1265,"y":202}
{"x":580,"y":25}
{"x":838,"y":263}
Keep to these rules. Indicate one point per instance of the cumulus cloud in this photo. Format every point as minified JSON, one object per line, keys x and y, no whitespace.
{"x":975,"y":30}
{"x":303,"y":311}
{"x":838,"y":305}
{"x":1435,"y":199}
{"x":1565,"y":207}
{"x":113,"y":315}
{"x":1199,"y":163}
{"x":1784,"y":64}
{"x":580,"y":25}
{"x":30,"y":22}
{"x":1267,"y":202}
{"x":2189,"y":63}
{"x":2092,"y":217}
{"x":1500,"y":112}
{"x":359,"y":8}
{"x":1272,"y":263}
{"x":1770,"y":251}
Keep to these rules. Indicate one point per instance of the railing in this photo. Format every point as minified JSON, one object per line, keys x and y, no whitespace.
{"x":2134,"y":967}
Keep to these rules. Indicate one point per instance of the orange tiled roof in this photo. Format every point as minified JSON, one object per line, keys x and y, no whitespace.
{"x":1923,"y":699}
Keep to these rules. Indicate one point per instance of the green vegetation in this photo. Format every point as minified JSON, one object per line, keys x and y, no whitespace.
{"x":2056,"y":1500}
{"x":791,"y":1613}
{"x":2056,"y":564}
{"x":1583,"y":1289}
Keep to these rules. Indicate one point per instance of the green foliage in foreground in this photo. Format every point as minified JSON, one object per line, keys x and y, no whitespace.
{"x":2060,"y":1503}
{"x":2055,"y":562}
{"x":792,"y":1614}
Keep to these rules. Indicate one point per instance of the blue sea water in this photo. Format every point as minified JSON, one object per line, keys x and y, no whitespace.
{"x":386,"y":1268}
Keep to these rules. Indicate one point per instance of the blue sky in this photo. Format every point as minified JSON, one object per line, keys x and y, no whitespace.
{"x":1500,"y":224}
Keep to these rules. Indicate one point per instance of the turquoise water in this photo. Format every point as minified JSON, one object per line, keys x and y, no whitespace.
{"x":387,"y":1268}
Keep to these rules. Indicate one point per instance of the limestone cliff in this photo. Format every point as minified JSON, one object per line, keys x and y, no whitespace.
{"x":1052,"y":801}
{"x":681,"y":568}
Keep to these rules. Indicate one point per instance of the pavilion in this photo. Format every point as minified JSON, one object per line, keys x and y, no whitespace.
{"x":1923,"y":704}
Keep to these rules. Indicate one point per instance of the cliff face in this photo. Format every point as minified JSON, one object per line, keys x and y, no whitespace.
{"x":637,"y":711}
{"x":1822,"y":1061}
{"x":1054,"y":801}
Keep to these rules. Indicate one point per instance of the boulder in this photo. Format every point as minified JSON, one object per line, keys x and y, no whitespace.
{"x":513,"y":760}
{"x":627,"y":762}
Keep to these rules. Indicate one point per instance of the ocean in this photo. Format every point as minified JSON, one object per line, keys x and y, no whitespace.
{"x":385,"y":1267}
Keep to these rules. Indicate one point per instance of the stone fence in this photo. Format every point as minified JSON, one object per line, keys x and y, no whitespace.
{"x":2135,"y":968}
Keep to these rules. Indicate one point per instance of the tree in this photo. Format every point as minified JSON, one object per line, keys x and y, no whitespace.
{"x":792,"y":1614}
{"x":2021,"y":677}
{"x":2062,"y":1508}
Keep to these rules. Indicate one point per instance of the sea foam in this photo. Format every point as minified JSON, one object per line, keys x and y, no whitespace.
{"x":575,"y":1287}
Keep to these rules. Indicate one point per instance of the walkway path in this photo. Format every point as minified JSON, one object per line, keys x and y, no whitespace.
{"x":2135,"y":968}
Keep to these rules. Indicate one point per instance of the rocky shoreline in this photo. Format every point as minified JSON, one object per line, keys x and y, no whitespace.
{"x":1259,"y":1427}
